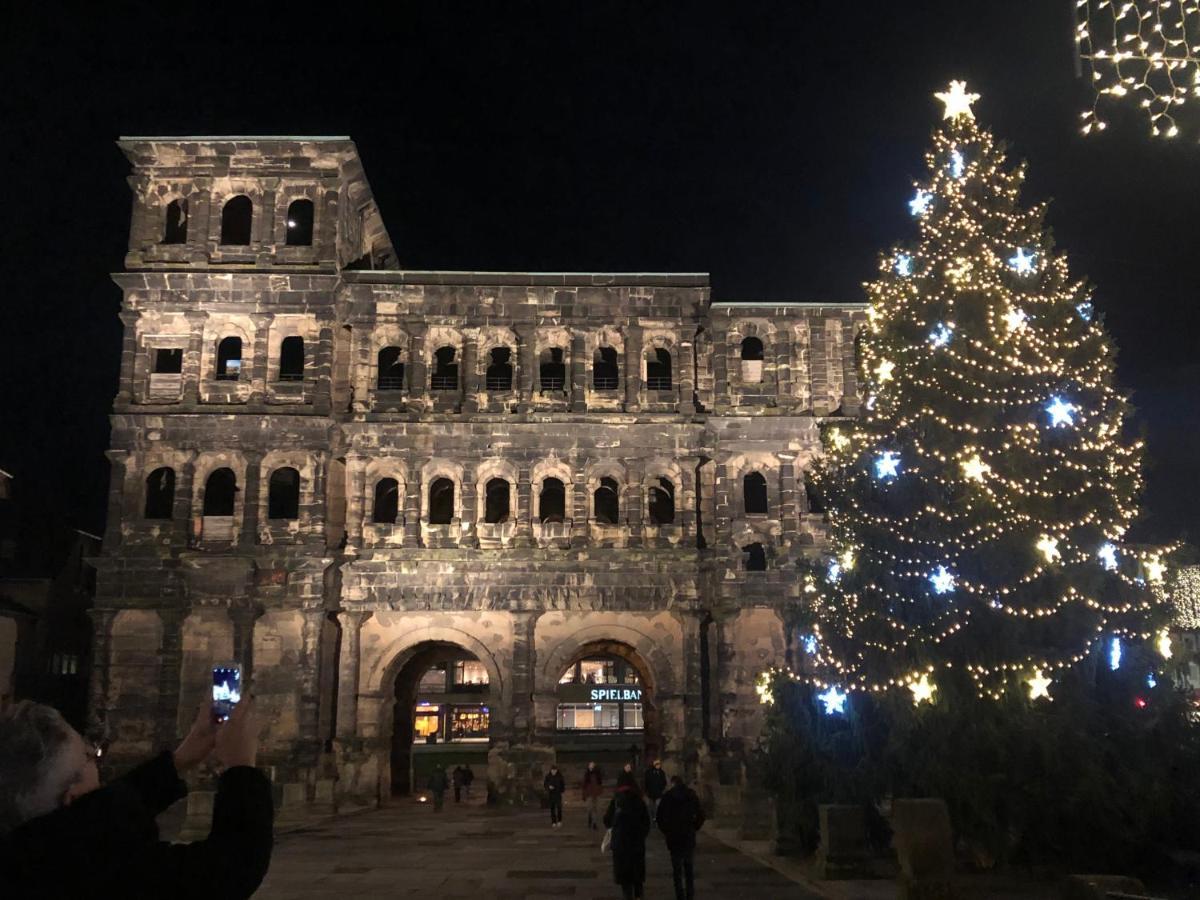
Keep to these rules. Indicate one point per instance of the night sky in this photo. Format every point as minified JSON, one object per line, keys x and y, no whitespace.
{"x":771,"y":144}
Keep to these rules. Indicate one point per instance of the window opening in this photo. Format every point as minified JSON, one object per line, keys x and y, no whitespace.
{"x":236,"y":219}
{"x":499,"y":375}
{"x":552,"y":371}
{"x":229,"y":359}
{"x":291,"y":359}
{"x":175,"y":227}
{"x":283,"y":494}
{"x":605,"y":373}
{"x":219,"y":491}
{"x":754,"y":494}
{"x":441,"y":501}
{"x":470,"y":672}
{"x":160,"y":493}
{"x":658,"y":370}
{"x":496,"y":501}
{"x":752,"y":360}
{"x":552,"y":505}
{"x":662,"y":502}
{"x":168,"y":361}
{"x":607,"y":502}
{"x":391,"y":370}
{"x":445,"y":370}
{"x":387,"y":501}
{"x":300,"y":223}
{"x":756,"y":557}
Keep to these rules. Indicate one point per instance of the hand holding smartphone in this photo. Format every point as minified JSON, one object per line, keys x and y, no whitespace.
{"x":226,"y":690}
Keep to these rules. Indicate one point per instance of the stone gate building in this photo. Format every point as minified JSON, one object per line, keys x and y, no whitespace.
{"x":332,"y":470}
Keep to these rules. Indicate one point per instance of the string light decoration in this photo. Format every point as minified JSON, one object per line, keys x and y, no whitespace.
{"x":975,"y":490}
{"x":1185,"y":595}
{"x":1144,"y":50}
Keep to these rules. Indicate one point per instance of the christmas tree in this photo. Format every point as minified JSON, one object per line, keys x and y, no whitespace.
{"x":977,"y":508}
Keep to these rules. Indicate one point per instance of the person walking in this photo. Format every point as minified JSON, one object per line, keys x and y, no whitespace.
{"x":438,"y":782}
{"x":680,"y":816}
{"x":468,"y":777}
{"x":555,"y":784}
{"x":456,"y":779}
{"x":629,"y":820}
{"x":593,"y":782}
{"x":655,"y":782}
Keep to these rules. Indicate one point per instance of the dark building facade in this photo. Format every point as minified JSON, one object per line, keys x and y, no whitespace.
{"x":341,"y":473}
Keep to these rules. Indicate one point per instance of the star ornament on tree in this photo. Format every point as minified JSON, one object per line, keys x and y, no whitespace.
{"x":1015,"y":319}
{"x":833,"y":700}
{"x":974,"y":469}
{"x":1048,"y":547}
{"x":919,"y":205}
{"x":1107,"y":554}
{"x":884,"y":370}
{"x":887,"y":465}
{"x":1061,"y":412}
{"x":956,"y":101}
{"x":1021,"y":263}
{"x":1039,"y":685}
{"x":942,"y":580}
{"x":922,"y":689}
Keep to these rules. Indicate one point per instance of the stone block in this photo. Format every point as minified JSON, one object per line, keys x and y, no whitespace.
{"x":924,"y":844}
{"x":1100,"y":887}
{"x":844,"y":851}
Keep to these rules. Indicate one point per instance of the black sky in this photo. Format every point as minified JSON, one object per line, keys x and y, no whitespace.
{"x":771,"y":144}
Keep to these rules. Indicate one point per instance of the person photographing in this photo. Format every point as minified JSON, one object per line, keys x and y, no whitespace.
{"x":64,"y":835}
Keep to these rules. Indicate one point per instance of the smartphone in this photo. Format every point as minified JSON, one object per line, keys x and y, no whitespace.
{"x":226,"y":690}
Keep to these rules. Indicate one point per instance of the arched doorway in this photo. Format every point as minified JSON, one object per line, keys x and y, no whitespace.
{"x":441,"y":715}
{"x":606,"y":709}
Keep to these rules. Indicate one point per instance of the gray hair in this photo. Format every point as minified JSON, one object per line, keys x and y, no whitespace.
{"x":33,"y":776}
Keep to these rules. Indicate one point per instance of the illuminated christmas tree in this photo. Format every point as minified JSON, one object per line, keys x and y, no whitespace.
{"x":977,"y":508}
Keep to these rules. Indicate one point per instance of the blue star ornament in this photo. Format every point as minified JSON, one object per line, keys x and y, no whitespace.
{"x":887,"y":465}
{"x":1022,"y":263}
{"x":903,"y":265}
{"x":810,"y":644}
{"x":941,"y":334}
{"x":1061,"y":412}
{"x":833,"y":699}
{"x":919,"y":205}
{"x":942,"y":580}
{"x":1086,"y":310}
{"x":958,"y":165}
{"x":1107,"y":554}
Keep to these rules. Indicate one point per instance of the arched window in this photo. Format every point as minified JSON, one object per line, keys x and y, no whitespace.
{"x":552,"y":371}
{"x":607,"y":501}
{"x":552,"y":504}
{"x":441,"y":501}
{"x":175,"y":227}
{"x":291,"y":359}
{"x":391,"y":370}
{"x":756,"y":557}
{"x":283,"y":494}
{"x":387,"y":501}
{"x":606,"y":375}
{"x":752,"y":360}
{"x":236,"y":218}
{"x":219,"y":493}
{"x":499,"y":375}
{"x":658,"y":370}
{"x":754,"y":494}
{"x":168,"y":360}
{"x":300,"y":223}
{"x":229,"y":359}
{"x":445,"y":370}
{"x":160,"y":493}
{"x":496,"y":501}
{"x":662,"y":502}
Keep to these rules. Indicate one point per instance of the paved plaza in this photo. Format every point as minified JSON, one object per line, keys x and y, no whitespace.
{"x":472,"y":852}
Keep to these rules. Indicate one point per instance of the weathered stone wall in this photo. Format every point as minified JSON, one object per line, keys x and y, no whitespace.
{"x":326,"y":603}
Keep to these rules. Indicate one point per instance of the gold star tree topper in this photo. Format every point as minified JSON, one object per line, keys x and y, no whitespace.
{"x":957,"y":101}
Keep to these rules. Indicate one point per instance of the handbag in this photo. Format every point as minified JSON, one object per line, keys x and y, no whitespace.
{"x":606,"y":841}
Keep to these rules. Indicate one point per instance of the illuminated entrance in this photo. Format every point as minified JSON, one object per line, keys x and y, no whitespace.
{"x":442,"y":716}
{"x":605,"y":706}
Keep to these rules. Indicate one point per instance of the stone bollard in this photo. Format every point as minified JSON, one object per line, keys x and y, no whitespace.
{"x":324,"y":797}
{"x":293,"y":803}
{"x":925,"y":848}
{"x":844,"y":851}
{"x":1100,"y":887}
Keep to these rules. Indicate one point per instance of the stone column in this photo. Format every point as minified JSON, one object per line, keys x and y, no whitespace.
{"x":578,"y":374}
{"x":259,"y":363}
{"x":523,"y":534}
{"x":248,"y":535}
{"x":181,"y":509}
{"x":723,"y":501}
{"x":102,"y":621}
{"x":633,"y":368}
{"x":118,"y":474}
{"x":418,"y":374}
{"x":469,"y":377}
{"x":356,"y":478}
{"x":685,"y":511}
{"x":788,"y":514}
{"x":199,"y":232}
{"x":468,"y":537}
{"x":171,"y":657}
{"x":781,"y":349}
{"x":412,"y":509}
{"x":243,"y":618}
{"x":632,"y":503}
{"x":347,"y":706}
{"x":322,"y":397}
{"x":325,"y":238}
{"x":720,"y":365}
{"x":579,"y":514}
{"x":693,"y":687}
{"x":310,"y":700}
{"x":685,"y":365}
{"x":527,"y":364}
{"x":193,"y":358}
{"x":851,"y":401}
{"x":128,"y":389}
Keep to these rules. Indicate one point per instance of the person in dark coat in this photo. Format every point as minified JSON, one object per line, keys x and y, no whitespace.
{"x":629,"y":820}
{"x":63,"y":835}
{"x":468,"y":777}
{"x":555,"y":784}
{"x":655,"y":781}
{"x":456,"y":778}
{"x":593,"y":787}
{"x":680,"y":816}
{"x":438,"y":782}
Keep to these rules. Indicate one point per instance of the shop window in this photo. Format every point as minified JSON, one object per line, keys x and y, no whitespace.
{"x":496,"y":501}
{"x":607,"y":502}
{"x":300,"y":223}
{"x":283,"y":494}
{"x":175,"y":227}
{"x":445,"y":370}
{"x":468,"y":723}
{"x":168,"y":361}
{"x":499,"y":375}
{"x":160,"y":493}
{"x":291,"y":359}
{"x":470,"y":671}
{"x":391,"y":370}
{"x":632,"y":717}
{"x":434,"y":679}
{"x":441,"y":501}
{"x":219,"y":493}
{"x":754,"y":494}
{"x":552,"y":371}
{"x":606,"y":375}
{"x":387,"y":501}
{"x":229,"y":359}
{"x":571,"y":675}
{"x":598,"y":671}
{"x":658,"y":370}
{"x":756,"y":557}
{"x":752,"y":360}
{"x":662,"y":502}
{"x":552,"y":504}
{"x":236,"y":219}
{"x":426,"y":721}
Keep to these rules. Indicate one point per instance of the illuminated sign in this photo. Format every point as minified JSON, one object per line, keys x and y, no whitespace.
{"x":616,"y":694}
{"x":599,"y":693}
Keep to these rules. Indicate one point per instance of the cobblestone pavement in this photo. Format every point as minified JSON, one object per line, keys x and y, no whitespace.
{"x":471,"y":851}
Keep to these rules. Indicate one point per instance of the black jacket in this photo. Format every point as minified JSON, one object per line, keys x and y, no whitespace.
{"x":656,"y":782}
{"x":438,"y":782}
{"x":106,"y":844}
{"x":679,"y":817}
{"x":555,"y":784}
{"x":629,"y":820}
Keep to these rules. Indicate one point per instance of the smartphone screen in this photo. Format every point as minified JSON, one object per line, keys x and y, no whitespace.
{"x":226,"y":690}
